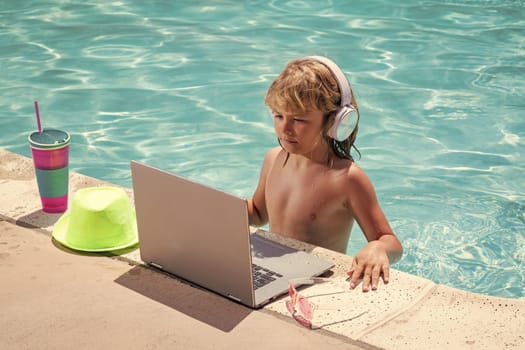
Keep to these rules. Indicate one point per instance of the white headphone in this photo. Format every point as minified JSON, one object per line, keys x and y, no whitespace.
{"x":346,"y":117}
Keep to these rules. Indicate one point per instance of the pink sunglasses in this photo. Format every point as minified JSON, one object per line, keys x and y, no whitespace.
{"x":300,"y":307}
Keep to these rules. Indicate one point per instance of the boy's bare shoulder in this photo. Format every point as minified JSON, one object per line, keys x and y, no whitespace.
{"x":272,"y":154}
{"x":357,"y":177}
{"x":354,"y":170}
{"x":274,"y":151}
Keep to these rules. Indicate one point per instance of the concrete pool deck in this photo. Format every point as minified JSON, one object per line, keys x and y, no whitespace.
{"x":52,"y":297}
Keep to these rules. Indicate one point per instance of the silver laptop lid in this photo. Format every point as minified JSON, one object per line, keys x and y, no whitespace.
{"x":176,"y":216}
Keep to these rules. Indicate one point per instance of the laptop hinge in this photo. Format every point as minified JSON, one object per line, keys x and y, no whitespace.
{"x":156,"y":265}
{"x":234,"y":298}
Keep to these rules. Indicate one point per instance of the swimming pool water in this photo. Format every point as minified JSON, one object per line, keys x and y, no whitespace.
{"x":180,"y":85}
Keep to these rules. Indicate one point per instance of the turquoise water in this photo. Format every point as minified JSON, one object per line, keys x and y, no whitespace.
{"x":180,"y":85}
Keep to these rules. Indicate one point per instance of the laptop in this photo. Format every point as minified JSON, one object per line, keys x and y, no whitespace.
{"x":202,"y":235}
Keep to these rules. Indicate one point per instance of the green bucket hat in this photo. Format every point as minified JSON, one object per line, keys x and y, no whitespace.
{"x":100,"y":219}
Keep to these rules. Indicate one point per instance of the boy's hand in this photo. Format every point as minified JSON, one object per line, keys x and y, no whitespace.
{"x":369,"y":264}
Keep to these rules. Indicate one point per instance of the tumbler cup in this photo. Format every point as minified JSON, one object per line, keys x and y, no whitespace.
{"x":50,"y":151}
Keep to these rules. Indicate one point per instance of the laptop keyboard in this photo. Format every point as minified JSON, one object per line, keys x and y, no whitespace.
{"x":263,"y":276}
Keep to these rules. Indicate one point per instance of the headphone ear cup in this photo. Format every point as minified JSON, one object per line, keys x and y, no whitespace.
{"x":345,"y":122}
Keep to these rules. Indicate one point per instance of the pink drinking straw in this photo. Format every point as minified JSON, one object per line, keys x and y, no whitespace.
{"x":38,"y":117}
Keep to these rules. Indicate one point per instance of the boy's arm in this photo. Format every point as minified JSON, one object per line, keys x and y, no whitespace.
{"x":383,"y":246}
{"x":257,"y":212}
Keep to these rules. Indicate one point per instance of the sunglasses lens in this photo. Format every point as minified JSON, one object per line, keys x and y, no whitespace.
{"x":303,"y":321}
{"x":305,"y":307}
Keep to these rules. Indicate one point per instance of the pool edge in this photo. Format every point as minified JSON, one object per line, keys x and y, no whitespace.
{"x":411,"y":312}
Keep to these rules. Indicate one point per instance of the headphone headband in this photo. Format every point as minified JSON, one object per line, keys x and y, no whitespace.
{"x":346,"y":116}
{"x":342,"y":82}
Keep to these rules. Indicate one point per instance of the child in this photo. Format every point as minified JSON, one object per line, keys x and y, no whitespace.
{"x":310,"y":188}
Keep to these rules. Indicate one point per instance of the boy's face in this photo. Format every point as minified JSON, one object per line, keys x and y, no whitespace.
{"x":299,"y":133}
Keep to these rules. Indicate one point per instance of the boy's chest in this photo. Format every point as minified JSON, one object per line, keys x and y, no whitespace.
{"x":304,"y":197}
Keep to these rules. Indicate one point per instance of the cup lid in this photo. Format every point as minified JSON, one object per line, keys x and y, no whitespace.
{"x":49,"y":138}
